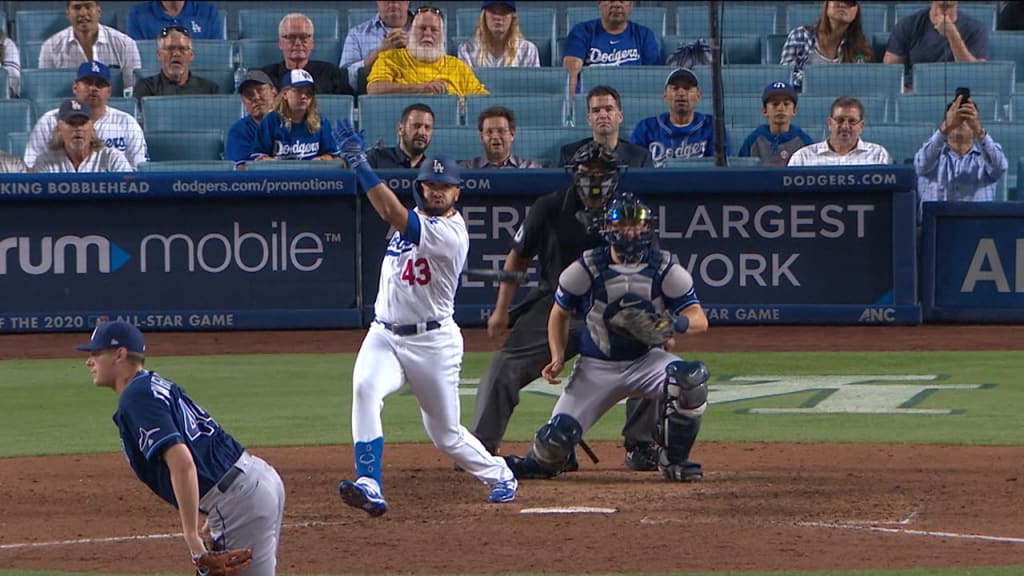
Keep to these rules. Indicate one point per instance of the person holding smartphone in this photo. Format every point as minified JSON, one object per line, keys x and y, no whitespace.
{"x":960,"y":162}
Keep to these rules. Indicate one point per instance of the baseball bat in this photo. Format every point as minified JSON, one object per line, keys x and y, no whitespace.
{"x":499,"y":275}
{"x":590,"y":453}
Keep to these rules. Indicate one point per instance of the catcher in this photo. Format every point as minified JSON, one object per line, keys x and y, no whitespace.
{"x":179,"y":451}
{"x":636,"y":300}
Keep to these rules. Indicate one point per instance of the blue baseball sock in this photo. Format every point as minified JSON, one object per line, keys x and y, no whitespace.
{"x":367,"y":456}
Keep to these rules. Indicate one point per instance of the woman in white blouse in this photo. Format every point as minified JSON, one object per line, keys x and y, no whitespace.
{"x":497,"y":41}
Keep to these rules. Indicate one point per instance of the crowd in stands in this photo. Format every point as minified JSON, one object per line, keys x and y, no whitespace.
{"x":404,"y":50}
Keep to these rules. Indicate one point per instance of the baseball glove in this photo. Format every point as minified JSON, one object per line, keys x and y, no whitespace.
{"x":646,"y":327}
{"x":223,"y":563}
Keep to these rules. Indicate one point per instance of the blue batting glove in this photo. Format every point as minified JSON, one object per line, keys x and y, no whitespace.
{"x":353,"y":150}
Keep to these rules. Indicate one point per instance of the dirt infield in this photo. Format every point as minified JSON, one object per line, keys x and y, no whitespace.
{"x":761,"y":507}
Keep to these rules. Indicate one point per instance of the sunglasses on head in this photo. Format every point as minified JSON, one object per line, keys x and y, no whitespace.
{"x":431,"y":9}
{"x":169,"y":29}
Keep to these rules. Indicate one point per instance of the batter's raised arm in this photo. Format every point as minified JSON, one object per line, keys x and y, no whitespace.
{"x":383,"y":199}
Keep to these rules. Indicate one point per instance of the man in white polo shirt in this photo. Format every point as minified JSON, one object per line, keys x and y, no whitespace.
{"x":87,"y":40}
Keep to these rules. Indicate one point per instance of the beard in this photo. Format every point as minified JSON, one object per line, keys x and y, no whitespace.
{"x":425,"y":53}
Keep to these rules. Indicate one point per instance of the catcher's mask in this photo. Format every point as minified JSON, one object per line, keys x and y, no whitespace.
{"x":595,"y":173}
{"x":628,"y":228}
{"x":440,"y":169}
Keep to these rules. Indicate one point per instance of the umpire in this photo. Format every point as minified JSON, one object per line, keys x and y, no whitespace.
{"x":559,"y":227}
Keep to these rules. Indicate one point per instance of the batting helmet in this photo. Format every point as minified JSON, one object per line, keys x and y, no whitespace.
{"x":628,"y":227}
{"x":438,"y":168}
{"x":595,"y":172}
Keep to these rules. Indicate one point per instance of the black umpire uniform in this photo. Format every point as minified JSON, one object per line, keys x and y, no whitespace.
{"x":555,"y":231}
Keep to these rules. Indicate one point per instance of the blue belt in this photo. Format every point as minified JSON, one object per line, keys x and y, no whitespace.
{"x":409,"y":329}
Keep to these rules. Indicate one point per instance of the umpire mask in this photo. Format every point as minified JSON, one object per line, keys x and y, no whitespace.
{"x":595,"y":174}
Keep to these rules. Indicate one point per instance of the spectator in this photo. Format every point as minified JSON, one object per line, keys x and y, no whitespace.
{"x":174,"y":51}
{"x":147,"y":20}
{"x":497,"y":41}
{"x":682,"y":132}
{"x":843,"y":147}
{"x":86,"y":40}
{"x":935,"y":34}
{"x":415,"y":130}
{"x":295,"y":39}
{"x":611,"y":40}
{"x":10,"y":58}
{"x":497,"y":126}
{"x":387,"y":30}
{"x":951,"y":167}
{"x":604,"y":114}
{"x":74,"y":146}
{"x":836,"y":38}
{"x":294,"y":129}
{"x":115,"y":128}
{"x":422,"y":67}
{"x":258,"y":93}
{"x":10,"y":164}
{"x":776,"y":141}
{"x":1011,"y":17}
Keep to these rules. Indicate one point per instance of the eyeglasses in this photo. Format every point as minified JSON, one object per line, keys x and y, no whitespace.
{"x":177,"y":49}
{"x":297,"y":37}
{"x":175,"y":28}
{"x":850,"y":121}
{"x":431,"y":9}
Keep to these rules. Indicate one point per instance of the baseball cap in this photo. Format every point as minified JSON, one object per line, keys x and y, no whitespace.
{"x":73,"y":109}
{"x":115,"y":335}
{"x":258,"y":76}
{"x":510,"y":5}
{"x":778,"y":89}
{"x":94,"y":69}
{"x":439,"y":168}
{"x":296,"y":79}
{"x":682,"y":74}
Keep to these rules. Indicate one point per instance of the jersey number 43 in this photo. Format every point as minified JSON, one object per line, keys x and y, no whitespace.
{"x":416,"y":272}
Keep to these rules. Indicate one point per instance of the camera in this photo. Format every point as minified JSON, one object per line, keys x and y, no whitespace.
{"x":965,"y":92}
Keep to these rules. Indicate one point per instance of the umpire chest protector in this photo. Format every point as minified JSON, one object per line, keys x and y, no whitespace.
{"x":618,"y":286}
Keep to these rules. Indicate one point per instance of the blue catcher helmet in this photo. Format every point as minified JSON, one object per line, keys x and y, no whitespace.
{"x":628,"y":227}
{"x":438,"y":168}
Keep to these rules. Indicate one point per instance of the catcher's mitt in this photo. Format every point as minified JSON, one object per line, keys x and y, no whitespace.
{"x":223,"y":563}
{"x":647,"y":327}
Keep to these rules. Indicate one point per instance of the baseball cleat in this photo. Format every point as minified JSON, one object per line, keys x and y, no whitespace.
{"x":363,"y":494}
{"x":503,"y":491}
{"x":642,"y":458}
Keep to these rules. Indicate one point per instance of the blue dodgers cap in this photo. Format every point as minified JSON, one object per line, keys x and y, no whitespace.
{"x":115,"y":335}
{"x":510,"y":5}
{"x":778,"y":89}
{"x":439,"y":168}
{"x":296,"y":79}
{"x":94,"y":69}
{"x":73,"y":108}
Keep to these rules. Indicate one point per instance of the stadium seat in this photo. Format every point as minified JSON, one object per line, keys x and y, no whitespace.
{"x":207,"y":54}
{"x":44,"y":105}
{"x":879,"y":41}
{"x":295,"y":165}
{"x":746,"y":49}
{"x":874,"y":17}
{"x":4,"y":92}
{"x":654,"y":17}
{"x":335,"y":106}
{"x":38,"y":83}
{"x":1007,"y":47}
{"x":190,"y":113}
{"x":224,"y":77}
{"x":16,"y":142}
{"x":744,"y":79}
{"x":773,"y":44}
{"x":544,"y":144}
{"x":3,"y":22}
{"x":380,"y":114}
{"x":854,"y":80}
{"x":737,"y":18}
{"x":262,"y":23}
{"x":627,"y":80}
{"x":982,"y":77}
{"x":186,"y":166}
{"x":533,"y":22}
{"x":460,"y":142}
{"x":932,"y":107}
{"x":901,"y":140}
{"x":38,"y":25}
{"x":986,"y":12}
{"x":184,"y":145}
{"x":256,"y":53}
{"x":512,"y":81}
{"x":1010,"y":135}
{"x":15,"y":116}
{"x":530,"y":110}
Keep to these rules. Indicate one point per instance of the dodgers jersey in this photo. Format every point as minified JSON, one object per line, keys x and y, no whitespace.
{"x":117,"y":129}
{"x":421,"y":269}
{"x":666,"y":140}
{"x":274,"y":138}
{"x":635,"y":46}
{"x":154,"y":414}
{"x":601,"y":288}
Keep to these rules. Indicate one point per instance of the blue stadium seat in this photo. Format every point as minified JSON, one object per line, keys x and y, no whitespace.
{"x":15,"y":116}
{"x":190,"y":113}
{"x":511,"y":81}
{"x":1017,"y":107}
{"x":745,"y":49}
{"x":773,"y":44}
{"x":4,"y":92}
{"x":986,"y":12}
{"x":16,"y":142}
{"x":901,"y":140}
{"x":743,"y":79}
{"x":256,"y":53}
{"x":654,"y":17}
{"x":335,"y":106}
{"x":1010,"y":135}
{"x":737,"y":18}
{"x":879,"y":41}
{"x":44,"y":105}
{"x":1007,"y":46}
{"x":379,"y":114}
{"x":3,"y":22}
{"x":185,"y":145}
{"x":207,"y":54}
{"x":262,"y":23}
{"x":187,"y":166}
{"x":530,"y":110}
{"x":544,"y":144}
{"x":627,"y":80}
{"x":38,"y":25}
{"x":459,"y":142}
{"x":874,"y":17}
{"x":982,"y":77}
{"x":224,"y":77}
{"x":533,"y":22}
{"x":854,"y":80}
{"x":932,"y":107}
{"x":38,"y":83}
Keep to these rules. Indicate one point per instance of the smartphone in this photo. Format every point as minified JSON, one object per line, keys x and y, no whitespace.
{"x":965,"y":92}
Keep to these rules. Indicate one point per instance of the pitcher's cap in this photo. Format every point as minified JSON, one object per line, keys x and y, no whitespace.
{"x":115,"y":335}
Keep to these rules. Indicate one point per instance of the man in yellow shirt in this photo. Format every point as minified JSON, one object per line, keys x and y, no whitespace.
{"x":423,"y":67}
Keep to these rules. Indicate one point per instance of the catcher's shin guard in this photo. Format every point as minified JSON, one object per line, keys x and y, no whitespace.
{"x":553,"y":446}
{"x":684,"y":403}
